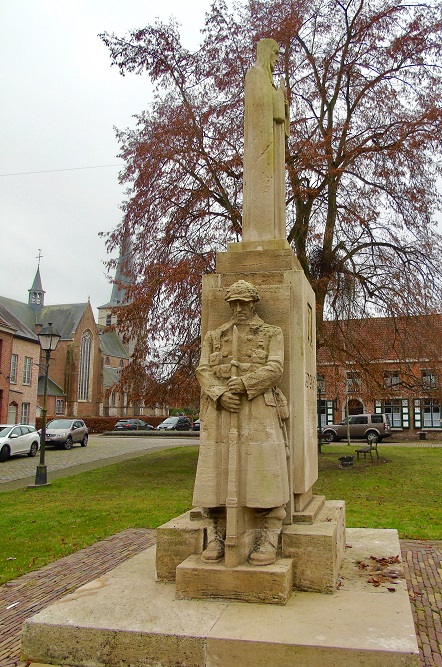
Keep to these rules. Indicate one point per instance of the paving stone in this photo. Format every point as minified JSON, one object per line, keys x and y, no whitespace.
{"x":36,"y":590}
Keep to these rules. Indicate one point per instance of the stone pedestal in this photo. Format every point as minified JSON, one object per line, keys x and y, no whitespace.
{"x":313,"y":545}
{"x":125,"y":617}
{"x":272,"y":584}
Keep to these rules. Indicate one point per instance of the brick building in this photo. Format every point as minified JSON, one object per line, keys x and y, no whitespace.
{"x":19,"y":359}
{"x":6,"y":338}
{"x":391,"y":365}
{"x":75,"y":385}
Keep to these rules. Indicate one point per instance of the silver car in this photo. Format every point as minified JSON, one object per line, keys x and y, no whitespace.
{"x":18,"y":439}
{"x":64,"y":432}
{"x":364,"y":427}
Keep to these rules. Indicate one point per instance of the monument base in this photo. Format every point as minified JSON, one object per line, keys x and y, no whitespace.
{"x":271,"y":584}
{"x":126,"y":617}
{"x":314,"y":544}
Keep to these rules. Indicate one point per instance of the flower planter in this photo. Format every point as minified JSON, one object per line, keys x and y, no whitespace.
{"x":346,"y":461}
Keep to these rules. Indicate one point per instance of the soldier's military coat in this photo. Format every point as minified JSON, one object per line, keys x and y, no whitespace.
{"x":263,"y":475}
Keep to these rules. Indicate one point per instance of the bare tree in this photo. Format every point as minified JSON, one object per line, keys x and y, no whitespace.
{"x":363,"y":158}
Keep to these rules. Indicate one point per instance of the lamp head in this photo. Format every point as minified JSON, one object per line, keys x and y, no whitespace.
{"x":48,"y":338}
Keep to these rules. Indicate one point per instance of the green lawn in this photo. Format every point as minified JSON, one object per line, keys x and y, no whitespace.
{"x":403,"y":490}
{"x":38,"y":526}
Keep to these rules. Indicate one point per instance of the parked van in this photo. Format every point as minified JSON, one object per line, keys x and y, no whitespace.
{"x":363,"y":427}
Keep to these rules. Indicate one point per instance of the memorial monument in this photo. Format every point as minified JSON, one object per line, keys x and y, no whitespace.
{"x":258,"y":456}
{"x":256,"y":533}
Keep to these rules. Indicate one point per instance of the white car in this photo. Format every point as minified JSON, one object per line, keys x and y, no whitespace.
{"x":18,"y":439}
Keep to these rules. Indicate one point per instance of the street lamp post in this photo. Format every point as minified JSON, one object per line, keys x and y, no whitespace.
{"x":48,"y":338}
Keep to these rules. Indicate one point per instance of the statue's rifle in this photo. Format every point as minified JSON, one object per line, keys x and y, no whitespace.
{"x":283,"y":415}
{"x":232,"y":482}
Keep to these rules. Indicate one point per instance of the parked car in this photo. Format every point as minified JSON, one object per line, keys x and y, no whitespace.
{"x":131,"y":425}
{"x":364,"y":427}
{"x":196,"y":425}
{"x":175,"y":424}
{"x":63,"y":433}
{"x":18,"y":439}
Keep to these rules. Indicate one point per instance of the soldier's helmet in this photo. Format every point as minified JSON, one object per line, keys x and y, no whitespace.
{"x":242,"y":291}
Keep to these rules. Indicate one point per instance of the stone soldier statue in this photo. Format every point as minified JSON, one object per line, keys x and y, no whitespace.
{"x":266,"y":125}
{"x":251,"y":394}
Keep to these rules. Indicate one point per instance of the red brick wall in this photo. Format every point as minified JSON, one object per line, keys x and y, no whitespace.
{"x":5,"y":367}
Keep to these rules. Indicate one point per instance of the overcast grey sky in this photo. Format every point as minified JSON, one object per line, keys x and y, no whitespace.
{"x":60,"y":101}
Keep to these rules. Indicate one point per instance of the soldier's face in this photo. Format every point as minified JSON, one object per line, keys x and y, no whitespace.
{"x":242,"y":311}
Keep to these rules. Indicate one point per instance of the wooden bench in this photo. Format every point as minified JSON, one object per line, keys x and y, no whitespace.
{"x":368,"y":449}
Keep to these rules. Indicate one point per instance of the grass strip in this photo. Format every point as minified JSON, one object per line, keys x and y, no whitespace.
{"x":38,"y":526}
{"x":402,"y":490}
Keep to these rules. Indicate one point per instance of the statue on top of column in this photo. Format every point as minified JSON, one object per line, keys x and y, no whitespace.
{"x":266,"y":126}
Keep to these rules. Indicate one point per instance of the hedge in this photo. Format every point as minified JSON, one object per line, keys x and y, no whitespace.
{"x":101,"y":424}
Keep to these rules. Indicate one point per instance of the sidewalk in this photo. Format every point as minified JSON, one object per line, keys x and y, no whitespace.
{"x":19,"y":471}
{"x":30,"y":593}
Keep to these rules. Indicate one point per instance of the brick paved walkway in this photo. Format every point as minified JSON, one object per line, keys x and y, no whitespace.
{"x":423,"y":571}
{"x":30,"y":593}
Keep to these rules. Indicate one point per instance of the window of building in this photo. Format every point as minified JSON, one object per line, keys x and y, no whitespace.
{"x":108,"y":320}
{"x":393,"y":410}
{"x":322,"y":413}
{"x":25,"y":410}
{"x":14,"y":365}
{"x":85,"y":366}
{"x":121,"y":363}
{"x":391,"y":379}
{"x":112,"y":399}
{"x":427,"y":413}
{"x":326,"y":411}
{"x":107,"y":361}
{"x":431,"y":413}
{"x":397,"y":411}
{"x":59,"y":406}
{"x":27,"y":370}
{"x":353,"y":382}
{"x":429,"y":380}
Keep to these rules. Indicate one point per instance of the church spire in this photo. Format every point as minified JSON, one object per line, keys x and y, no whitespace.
{"x":36,"y":293}
{"x":124,"y":266}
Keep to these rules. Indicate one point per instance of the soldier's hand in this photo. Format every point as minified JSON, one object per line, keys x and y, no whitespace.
{"x":230,"y":402}
{"x":236,"y":386}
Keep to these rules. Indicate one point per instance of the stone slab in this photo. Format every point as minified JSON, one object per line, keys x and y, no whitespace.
{"x":177,"y":540}
{"x":317,"y":549}
{"x":271,"y":584}
{"x":127,"y":618}
{"x":311,"y":511}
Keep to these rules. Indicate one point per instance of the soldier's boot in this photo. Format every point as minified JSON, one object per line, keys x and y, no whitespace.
{"x":216,"y":534}
{"x":266,"y":546}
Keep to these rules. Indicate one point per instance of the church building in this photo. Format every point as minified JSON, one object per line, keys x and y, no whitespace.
{"x":78,"y":366}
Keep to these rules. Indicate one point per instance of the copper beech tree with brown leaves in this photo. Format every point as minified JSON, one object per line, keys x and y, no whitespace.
{"x":364,"y":82}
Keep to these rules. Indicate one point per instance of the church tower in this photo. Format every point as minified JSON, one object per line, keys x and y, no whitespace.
{"x":118,"y":295}
{"x":36,"y":293}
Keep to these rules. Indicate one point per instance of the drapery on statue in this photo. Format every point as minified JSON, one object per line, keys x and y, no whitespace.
{"x":241,"y":364}
{"x":266,"y":125}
